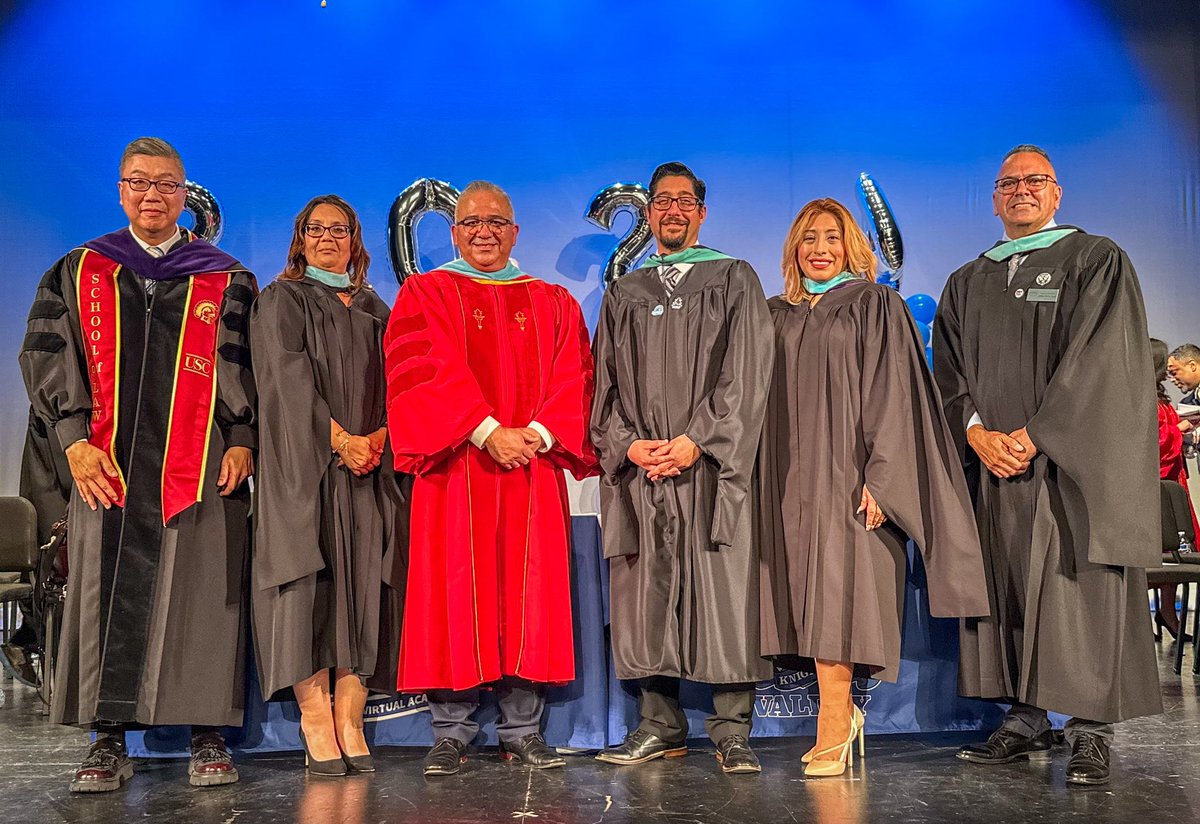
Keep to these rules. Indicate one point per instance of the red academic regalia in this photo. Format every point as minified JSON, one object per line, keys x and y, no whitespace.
{"x":1171,"y":466}
{"x":489,"y":588}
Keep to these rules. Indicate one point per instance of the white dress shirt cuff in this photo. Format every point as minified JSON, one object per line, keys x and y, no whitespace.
{"x":484,"y":431}
{"x":975,"y":419}
{"x":547,"y":438}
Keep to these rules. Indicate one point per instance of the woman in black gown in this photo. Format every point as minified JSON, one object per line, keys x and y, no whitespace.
{"x":327,"y":567}
{"x":855,"y":459}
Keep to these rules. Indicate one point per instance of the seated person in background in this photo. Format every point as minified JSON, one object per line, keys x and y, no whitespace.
{"x":1171,"y":466}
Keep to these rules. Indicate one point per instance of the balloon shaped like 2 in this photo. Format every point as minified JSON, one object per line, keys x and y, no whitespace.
{"x":923,"y":308}
{"x":423,"y":196}
{"x":604,"y":207}
{"x":205,"y":210}
{"x":885,"y":233}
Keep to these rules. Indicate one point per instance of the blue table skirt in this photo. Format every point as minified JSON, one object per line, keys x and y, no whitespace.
{"x":596,"y":709}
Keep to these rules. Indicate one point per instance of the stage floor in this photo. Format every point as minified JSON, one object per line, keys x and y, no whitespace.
{"x":1156,"y":779}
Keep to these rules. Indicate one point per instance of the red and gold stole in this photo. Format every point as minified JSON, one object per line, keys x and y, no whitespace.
{"x":194,"y":384}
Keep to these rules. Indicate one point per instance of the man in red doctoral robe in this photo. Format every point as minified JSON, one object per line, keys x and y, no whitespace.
{"x":489,"y":377}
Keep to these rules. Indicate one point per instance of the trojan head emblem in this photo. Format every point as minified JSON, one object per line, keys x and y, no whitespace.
{"x":206,"y":311}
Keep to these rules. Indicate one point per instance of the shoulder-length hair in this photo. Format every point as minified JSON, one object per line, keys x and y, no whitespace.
{"x":359,"y":259}
{"x":1158,"y":353}
{"x":860,"y":260}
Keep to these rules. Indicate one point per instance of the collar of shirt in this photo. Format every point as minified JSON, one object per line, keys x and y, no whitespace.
{"x":1050,"y":225}
{"x":163,"y":247}
{"x":683,"y":268}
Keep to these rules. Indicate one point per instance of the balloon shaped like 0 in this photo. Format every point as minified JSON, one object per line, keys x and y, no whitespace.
{"x":421,"y":197}
{"x":204,"y":208}
{"x":923,"y":308}
{"x":886,"y":233}
{"x":603,"y":209}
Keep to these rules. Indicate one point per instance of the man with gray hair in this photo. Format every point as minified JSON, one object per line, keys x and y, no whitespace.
{"x":489,"y":388}
{"x":1041,"y":352}
{"x":136,"y":357}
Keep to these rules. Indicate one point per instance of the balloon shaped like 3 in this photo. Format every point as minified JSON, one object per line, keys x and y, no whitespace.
{"x":423,"y":196}
{"x":923,"y":308}
{"x":604,"y":207}
{"x":203,"y":206}
{"x":886,"y":233}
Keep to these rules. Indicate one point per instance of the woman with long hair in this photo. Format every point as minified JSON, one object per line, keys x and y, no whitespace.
{"x":327,"y":554}
{"x":855,"y":459}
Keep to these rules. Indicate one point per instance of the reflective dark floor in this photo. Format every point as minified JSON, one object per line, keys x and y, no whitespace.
{"x":903,"y":779}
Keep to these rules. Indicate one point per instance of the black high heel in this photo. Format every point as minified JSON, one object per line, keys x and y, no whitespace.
{"x":332,"y":767}
{"x":359,"y":763}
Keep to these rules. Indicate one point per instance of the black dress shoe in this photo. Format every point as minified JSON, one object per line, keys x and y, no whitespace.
{"x":211,"y":764}
{"x":532,"y":750}
{"x":446,"y":756}
{"x":106,"y":767}
{"x":735,"y":755}
{"x":1089,"y":761}
{"x":639,"y":747}
{"x":1004,"y":745}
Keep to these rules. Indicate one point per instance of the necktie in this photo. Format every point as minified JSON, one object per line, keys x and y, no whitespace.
{"x":670,"y":278}
{"x":154,"y":252}
{"x":1013,"y":263}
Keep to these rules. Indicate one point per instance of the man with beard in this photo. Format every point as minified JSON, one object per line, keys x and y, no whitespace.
{"x":136,"y":357}
{"x":683,"y":353}
{"x":1041,"y":353}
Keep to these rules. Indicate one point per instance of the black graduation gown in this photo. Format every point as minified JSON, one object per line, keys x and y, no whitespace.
{"x":328,"y":554}
{"x":852,"y":402}
{"x":1065,"y":543}
{"x":173,"y":648}
{"x":683,"y":567}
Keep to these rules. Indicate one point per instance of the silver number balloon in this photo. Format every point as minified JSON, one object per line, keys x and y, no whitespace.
{"x":604,"y":207}
{"x":420,"y":198}
{"x":203,"y":206}
{"x":885,"y":232}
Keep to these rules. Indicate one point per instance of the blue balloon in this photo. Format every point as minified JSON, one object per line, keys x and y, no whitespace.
{"x":922,"y":307}
{"x":926,"y":332}
{"x":929,"y":355}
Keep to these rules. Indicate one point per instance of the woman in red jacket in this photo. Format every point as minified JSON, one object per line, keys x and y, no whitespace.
{"x":1171,"y":467}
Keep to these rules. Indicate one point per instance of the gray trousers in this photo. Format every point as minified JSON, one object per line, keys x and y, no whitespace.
{"x":1030,"y":721}
{"x":733,"y":710}
{"x":521,"y":703}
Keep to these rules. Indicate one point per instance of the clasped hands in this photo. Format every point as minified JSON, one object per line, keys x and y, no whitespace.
{"x":513,"y":446}
{"x":1005,"y":456}
{"x":664,"y":459}
{"x":359,"y":453}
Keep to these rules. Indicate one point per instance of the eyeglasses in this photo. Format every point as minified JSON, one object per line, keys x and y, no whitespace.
{"x":338,"y":231}
{"x":473,"y":224}
{"x":1035,"y":183}
{"x":687,"y":203}
{"x":141,"y":184}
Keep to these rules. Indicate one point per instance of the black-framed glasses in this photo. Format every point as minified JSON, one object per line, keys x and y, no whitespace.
{"x":338,"y":231}
{"x":687,"y":203}
{"x":473,"y":224}
{"x":1035,"y":183}
{"x":141,"y":184}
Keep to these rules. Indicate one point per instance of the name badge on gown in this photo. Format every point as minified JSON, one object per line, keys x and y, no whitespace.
{"x":657,"y":310}
{"x":1042,"y":295}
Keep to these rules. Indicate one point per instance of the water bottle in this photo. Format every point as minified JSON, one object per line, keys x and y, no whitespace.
{"x":1184,"y":546}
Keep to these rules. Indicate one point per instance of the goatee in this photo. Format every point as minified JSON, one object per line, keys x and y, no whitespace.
{"x":674,"y":243}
